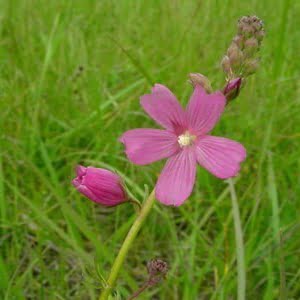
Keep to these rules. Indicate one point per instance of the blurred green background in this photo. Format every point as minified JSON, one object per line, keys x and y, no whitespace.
{"x":72,"y":73}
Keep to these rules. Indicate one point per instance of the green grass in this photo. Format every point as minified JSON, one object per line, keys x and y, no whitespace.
{"x":54,"y":243}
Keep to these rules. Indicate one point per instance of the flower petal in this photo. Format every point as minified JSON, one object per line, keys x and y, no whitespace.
{"x":80,"y":170}
{"x":86,"y":192}
{"x":163,"y":107}
{"x":144,"y":146}
{"x":104,"y":179}
{"x":99,"y":196}
{"x":204,"y":110}
{"x":220,"y":156}
{"x":177,"y":179}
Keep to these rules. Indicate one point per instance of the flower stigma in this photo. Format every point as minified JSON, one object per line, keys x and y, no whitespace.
{"x":186,"y":139}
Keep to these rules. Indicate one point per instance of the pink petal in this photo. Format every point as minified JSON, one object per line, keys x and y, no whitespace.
{"x":176,"y":181}
{"x":106,"y":179}
{"x":86,"y":192}
{"x":99,"y":196}
{"x":80,"y":170}
{"x":164,"y":108}
{"x":144,"y":146}
{"x":204,"y":110}
{"x":220,"y":156}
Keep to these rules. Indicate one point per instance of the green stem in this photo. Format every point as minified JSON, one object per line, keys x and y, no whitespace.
{"x":147,"y":205}
{"x":241,"y":270}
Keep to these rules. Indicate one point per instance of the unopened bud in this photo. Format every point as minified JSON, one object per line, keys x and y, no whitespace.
{"x":248,"y":31}
{"x":257,"y":25}
{"x":235,"y":55}
{"x":100,"y":185}
{"x":232,"y":50}
{"x":249,"y":26}
{"x":157,"y":267}
{"x":244,"y":20}
{"x":232,"y":89}
{"x":251,"y":43}
{"x":238,"y":40}
{"x":226,"y":65}
{"x":260,"y":35}
{"x":251,"y":46}
{"x":251,"y":66}
{"x":254,"y":18}
{"x":199,"y":79}
{"x":257,"y":21}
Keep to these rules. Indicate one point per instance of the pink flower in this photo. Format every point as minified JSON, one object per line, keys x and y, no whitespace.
{"x":100,"y":185}
{"x":185,"y":142}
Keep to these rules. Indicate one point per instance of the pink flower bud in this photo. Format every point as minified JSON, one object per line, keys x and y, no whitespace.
{"x":100,"y":185}
{"x":232,"y":89}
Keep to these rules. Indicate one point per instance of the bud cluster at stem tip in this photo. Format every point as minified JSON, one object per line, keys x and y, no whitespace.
{"x":241,"y":58}
{"x":157,"y":270}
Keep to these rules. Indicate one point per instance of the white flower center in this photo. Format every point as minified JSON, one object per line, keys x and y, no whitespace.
{"x":186,"y":139}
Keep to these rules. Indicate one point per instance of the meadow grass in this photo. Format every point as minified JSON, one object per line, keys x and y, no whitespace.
{"x":71,"y":76}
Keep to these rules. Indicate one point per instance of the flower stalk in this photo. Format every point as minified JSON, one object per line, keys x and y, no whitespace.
{"x":145,"y":210}
{"x":240,"y":252}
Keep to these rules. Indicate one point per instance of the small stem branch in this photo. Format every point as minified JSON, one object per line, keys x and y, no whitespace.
{"x":146,"y":207}
{"x":139,"y":291}
{"x":241,"y":270}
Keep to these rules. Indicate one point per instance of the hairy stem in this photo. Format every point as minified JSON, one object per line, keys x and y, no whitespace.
{"x":146,"y":207}
{"x":139,"y":291}
{"x":241,"y":270}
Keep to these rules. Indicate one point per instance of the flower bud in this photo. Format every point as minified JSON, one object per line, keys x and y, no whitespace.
{"x":239,"y":41}
{"x":257,"y":23}
{"x":249,"y":26}
{"x":199,"y":79}
{"x":251,"y":43}
{"x":251,"y":66}
{"x":226,"y":65}
{"x":248,"y":30}
{"x":100,"y":185}
{"x":235,"y":55}
{"x":251,"y":46}
{"x":232,"y":89}
{"x":260,"y":35}
{"x":157,"y":270}
{"x":232,"y":50}
{"x":157,"y":266}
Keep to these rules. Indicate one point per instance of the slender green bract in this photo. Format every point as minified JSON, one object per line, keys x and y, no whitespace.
{"x":147,"y":205}
{"x":241,"y":270}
